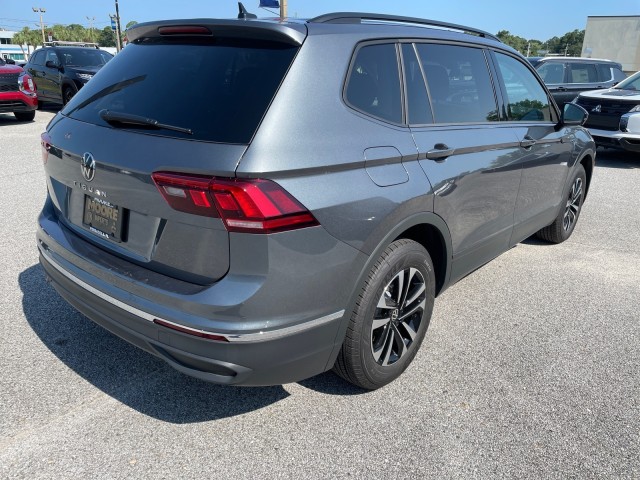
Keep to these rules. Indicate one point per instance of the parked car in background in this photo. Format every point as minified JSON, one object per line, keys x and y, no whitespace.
{"x":17,"y":92}
{"x":290,"y":196}
{"x":614,"y":114}
{"x":60,"y":69}
{"x":566,"y":77}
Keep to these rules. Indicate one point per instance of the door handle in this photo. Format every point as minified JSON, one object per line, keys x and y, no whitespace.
{"x":439,"y":152}
{"x":527,"y":142}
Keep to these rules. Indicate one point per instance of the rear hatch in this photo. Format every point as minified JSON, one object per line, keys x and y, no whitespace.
{"x":182,"y":98}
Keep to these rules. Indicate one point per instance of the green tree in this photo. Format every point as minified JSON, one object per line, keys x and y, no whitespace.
{"x":569,"y":44}
{"x":526,"y":47}
{"x":106,"y":37}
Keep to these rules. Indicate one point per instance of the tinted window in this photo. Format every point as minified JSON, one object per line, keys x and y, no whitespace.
{"x":604,"y":72}
{"x":220,"y":91}
{"x":582,"y":73}
{"x":38,"y":58}
{"x":527,"y":99}
{"x":418,"y":103}
{"x":459,"y":83}
{"x":618,"y":74}
{"x":51,"y":57}
{"x":551,"y":72}
{"x":374,"y":82}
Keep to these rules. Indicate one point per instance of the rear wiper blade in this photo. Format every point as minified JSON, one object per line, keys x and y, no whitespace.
{"x":130,"y":119}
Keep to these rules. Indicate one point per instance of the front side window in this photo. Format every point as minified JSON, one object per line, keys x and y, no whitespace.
{"x":459,"y":83}
{"x":52,"y":57}
{"x":527,"y":99}
{"x":37,"y":58}
{"x":551,"y":73}
{"x":373,"y":86}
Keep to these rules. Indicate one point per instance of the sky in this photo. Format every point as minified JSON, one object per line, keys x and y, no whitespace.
{"x":531,"y":19}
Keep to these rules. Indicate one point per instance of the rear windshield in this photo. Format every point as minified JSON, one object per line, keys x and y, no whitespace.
{"x":219,"y":91}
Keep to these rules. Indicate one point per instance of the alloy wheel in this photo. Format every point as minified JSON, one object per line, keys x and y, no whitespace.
{"x":573,"y":205}
{"x":397,"y":316}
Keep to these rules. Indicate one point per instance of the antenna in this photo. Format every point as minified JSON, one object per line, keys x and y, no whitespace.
{"x":243,"y":14}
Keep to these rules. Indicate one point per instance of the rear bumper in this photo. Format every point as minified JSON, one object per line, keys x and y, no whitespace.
{"x":268,"y":358}
{"x":17,"y":102}
{"x":275,"y":348}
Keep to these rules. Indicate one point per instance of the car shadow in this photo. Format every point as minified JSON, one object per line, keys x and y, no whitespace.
{"x":10,"y":119}
{"x":137,"y":378}
{"x":610,"y":158}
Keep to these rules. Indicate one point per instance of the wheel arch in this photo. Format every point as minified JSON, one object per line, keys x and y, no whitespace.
{"x":588,"y":163}
{"x":425,"y":228}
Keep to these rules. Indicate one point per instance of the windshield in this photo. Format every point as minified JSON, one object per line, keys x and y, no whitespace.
{"x":631,"y":83}
{"x":84,"y":57}
{"x":219,"y":91}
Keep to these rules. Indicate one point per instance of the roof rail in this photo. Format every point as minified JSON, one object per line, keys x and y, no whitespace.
{"x":356,"y":17}
{"x":62,"y":43}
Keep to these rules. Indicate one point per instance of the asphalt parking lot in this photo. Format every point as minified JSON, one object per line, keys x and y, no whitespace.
{"x":530,"y":369}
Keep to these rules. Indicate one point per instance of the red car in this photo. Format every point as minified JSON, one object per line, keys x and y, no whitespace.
{"x":17,"y":92}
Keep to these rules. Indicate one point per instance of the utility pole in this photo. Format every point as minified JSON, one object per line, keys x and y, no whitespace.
{"x":41,"y":11}
{"x":91,"y":20}
{"x":283,"y":9}
{"x":119,"y":30}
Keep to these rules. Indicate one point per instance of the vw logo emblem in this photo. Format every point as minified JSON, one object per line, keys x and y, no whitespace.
{"x":597,"y":109}
{"x":88,"y":166}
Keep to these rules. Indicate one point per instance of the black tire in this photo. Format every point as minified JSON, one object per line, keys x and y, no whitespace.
{"x":562,"y":227}
{"x":25,"y":116}
{"x":67,"y":94}
{"x":40,"y":104}
{"x":372,"y":356}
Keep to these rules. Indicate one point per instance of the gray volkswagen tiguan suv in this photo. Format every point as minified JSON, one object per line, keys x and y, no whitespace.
{"x":283,"y":198}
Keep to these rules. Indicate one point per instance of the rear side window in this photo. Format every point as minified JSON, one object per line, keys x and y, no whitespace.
{"x":219,"y":89}
{"x":373,"y":86}
{"x":527,"y":99}
{"x":605,"y":72}
{"x":582,"y":73}
{"x":459,"y":83}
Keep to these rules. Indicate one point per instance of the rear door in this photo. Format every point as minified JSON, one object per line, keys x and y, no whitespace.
{"x":470,"y":157}
{"x":582,"y":76}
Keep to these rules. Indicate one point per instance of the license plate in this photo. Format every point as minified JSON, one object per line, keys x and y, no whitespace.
{"x":103,"y":218}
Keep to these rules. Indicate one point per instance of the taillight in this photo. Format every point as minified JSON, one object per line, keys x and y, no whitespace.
{"x":245,"y":205}
{"x":26,"y":85}
{"x":45,"y":144}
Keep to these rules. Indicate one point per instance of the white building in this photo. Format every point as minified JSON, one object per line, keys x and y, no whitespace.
{"x":615,"y":38}
{"x":9,"y":49}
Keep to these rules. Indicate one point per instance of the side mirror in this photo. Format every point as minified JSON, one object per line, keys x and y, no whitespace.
{"x":10,"y":61}
{"x":573,"y":115}
{"x":51,"y":64}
